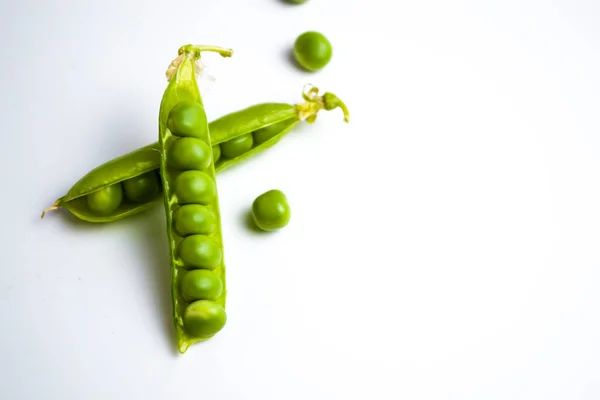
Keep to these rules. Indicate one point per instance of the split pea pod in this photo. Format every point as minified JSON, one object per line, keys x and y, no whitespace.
{"x":191,"y":201}
{"x":130,"y":184}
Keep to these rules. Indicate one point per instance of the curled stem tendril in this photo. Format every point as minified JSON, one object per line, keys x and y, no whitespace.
{"x":314,"y":103}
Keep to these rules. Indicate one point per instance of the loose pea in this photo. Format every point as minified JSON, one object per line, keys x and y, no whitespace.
{"x":238,"y":146}
{"x":106,"y":200}
{"x":189,"y":153}
{"x":216,"y":150}
{"x":201,"y":284}
{"x":296,"y":1}
{"x":271,"y":210}
{"x":187,"y":119}
{"x":195,"y":187}
{"x":142,"y":188}
{"x":312,"y":50}
{"x":204,"y":318}
{"x":194,"y":219}
{"x":199,"y":251}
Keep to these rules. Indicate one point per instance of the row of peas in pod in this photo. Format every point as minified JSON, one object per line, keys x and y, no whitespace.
{"x":193,"y":208}
{"x":191,"y":204}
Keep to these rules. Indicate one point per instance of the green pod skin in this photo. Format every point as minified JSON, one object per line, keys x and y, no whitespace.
{"x":182,"y":115}
{"x":267,"y":122}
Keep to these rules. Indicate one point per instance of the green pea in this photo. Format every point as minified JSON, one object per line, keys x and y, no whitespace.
{"x":106,"y":200}
{"x":199,"y":251}
{"x":142,"y":188}
{"x":200,"y":284}
{"x":236,"y":147}
{"x":204,"y":318}
{"x":271,"y":210}
{"x":195,"y":187}
{"x":312,"y":50}
{"x":193,"y":219}
{"x":262,"y":135}
{"x":296,"y":1}
{"x":189,"y":153}
{"x":187,"y":119}
{"x":216,"y":150}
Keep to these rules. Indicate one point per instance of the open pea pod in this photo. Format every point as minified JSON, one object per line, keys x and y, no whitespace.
{"x":254,"y":129}
{"x":191,"y":201}
{"x":235,"y":137}
{"x":128,"y":166}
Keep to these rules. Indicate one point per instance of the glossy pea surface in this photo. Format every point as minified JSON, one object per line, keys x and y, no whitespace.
{"x":312,"y":50}
{"x":204,"y":318}
{"x":201,"y":284}
{"x":187,"y":119}
{"x":194,"y":219}
{"x":189,"y":153}
{"x":262,"y":135}
{"x":271,"y":210}
{"x":142,"y":188}
{"x":195,"y":187}
{"x":105,"y":200}
{"x":200,"y":251}
{"x":238,"y":146}
{"x":216,"y":153}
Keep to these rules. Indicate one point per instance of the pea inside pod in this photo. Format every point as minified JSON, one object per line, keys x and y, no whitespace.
{"x":190,"y":153}
{"x":194,"y":218}
{"x":142,"y":188}
{"x":200,"y":284}
{"x":262,"y":125}
{"x":191,"y":203}
{"x":106,"y":200}
{"x":236,"y":147}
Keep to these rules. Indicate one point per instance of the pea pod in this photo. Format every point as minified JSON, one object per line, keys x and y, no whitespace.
{"x":267,"y":123}
{"x":191,"y":202}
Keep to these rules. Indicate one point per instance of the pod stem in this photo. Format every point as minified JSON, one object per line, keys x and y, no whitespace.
{"x":314,"y":103}
{"x":51,"y":208}
{"x":193,"y":51}
{"x":196,"y":49}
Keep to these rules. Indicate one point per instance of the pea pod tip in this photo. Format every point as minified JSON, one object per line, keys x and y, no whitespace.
{"x":51,"y":208}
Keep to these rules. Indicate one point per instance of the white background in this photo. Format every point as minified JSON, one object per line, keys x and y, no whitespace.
{"x":444,"y":245}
